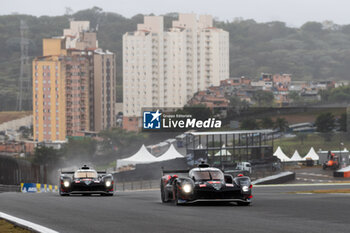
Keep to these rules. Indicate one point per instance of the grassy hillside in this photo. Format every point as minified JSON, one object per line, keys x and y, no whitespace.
{"x":289,"y":145}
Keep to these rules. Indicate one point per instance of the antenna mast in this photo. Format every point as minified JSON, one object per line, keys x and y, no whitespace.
{"x":25,"y":90}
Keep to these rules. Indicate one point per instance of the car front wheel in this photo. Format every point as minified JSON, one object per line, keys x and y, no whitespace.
{"x":176,"y":196}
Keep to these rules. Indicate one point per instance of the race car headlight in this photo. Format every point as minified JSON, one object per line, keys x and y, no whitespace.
{"x":245,"y":188}
{"x":108,"y":183}
{"x":66,"y":183}
{"x":187,"y":188}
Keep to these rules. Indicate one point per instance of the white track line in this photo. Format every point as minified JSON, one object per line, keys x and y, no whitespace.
{"x":296,"y":185}
{"x":313,"y":174}
{"x":26,"y":224}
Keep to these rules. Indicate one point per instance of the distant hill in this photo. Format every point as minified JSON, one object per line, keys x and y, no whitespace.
{"x":313,"y":51}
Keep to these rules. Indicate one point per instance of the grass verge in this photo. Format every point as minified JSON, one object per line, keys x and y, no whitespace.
{"x":324,"y":191}
{"x":7,"y":227}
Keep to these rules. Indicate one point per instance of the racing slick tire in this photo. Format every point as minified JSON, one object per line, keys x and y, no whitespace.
{"x":63,"y":194}
{"x":162,"y":193}
{"x":107,"y":194}
{"x":176,"y":196}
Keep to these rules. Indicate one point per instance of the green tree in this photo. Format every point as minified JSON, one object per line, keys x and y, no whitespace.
{"x":295,"y":97}
{"x":325,"y":122}
{"x":46,"y":156}
{"x":82,"y":150}
{"x":343,"y":122}
{"x":313,"y":27}
{"x":235,"y":102}
{"x":198,"y":111}
{"x":121,"y":141}
{"x":249,"y":124}
{"x":266,"y":123}
{"x":281,"y":124}
{"x":263,"y":98}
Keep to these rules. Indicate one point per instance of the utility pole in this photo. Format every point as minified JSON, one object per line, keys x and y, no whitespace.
{"x":25,"y":88}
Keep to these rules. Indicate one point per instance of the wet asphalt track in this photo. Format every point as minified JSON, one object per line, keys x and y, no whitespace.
{"x":273,"y":210}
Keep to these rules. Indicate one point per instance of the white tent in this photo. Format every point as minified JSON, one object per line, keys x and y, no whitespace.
{"x":142,"y":156}
{"x":312,"y":155}
{"x":223,"y":152}
{"x":296,"y":157}
{"x":170,"y":154}
{"x":281,"y":155}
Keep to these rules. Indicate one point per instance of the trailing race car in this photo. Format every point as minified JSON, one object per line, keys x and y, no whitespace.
{"x":205,"y":184}
{"x":86,"y":181}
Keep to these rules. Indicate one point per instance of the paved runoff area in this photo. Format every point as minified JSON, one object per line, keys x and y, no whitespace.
{"x":317,"y":175}
{"x":274,"y":209}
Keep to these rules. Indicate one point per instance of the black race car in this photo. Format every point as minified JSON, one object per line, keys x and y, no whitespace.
{"x":86,"y":181}
{"x":205,"y":184}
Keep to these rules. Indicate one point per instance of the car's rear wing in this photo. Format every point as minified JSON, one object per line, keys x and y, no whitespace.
{"x":67,"y":172}
{"x":182,"y":173}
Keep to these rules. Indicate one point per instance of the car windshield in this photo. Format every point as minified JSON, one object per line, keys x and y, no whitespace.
{"x":208,"y":175}
{"x":85,"y":174}
{"x":244,"y":181}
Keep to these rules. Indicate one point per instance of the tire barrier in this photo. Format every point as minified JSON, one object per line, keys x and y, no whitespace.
{"x":344,"y":172}
{"x":38,"y":188}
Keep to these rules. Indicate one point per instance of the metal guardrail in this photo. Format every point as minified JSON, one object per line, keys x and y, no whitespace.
{"x":137,"y":185}
{"x":10,"y":188}
{"x":155,"y":184}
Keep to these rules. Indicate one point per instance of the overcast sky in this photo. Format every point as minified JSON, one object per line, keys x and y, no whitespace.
{"x":293,"y":12}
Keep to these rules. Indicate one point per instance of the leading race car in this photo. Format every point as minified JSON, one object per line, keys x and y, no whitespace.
{"x":86,"y":181}
{"x":205,"y":183}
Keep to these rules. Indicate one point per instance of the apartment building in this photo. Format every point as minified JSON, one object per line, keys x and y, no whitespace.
{"x":73,"y":85}
{"x":165,"y":68}
{"x":104,"y":96}
{"x":282,"y":80}
{"x":60,"y":93}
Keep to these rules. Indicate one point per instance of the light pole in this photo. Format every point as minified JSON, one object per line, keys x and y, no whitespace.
{"x":341,"y":159}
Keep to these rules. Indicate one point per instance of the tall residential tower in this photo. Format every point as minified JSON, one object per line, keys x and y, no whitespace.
{"x":73,"y":85}
{"x":165,"y":68}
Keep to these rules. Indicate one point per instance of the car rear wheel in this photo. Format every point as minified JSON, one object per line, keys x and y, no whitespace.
{"x":162,"y":193}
